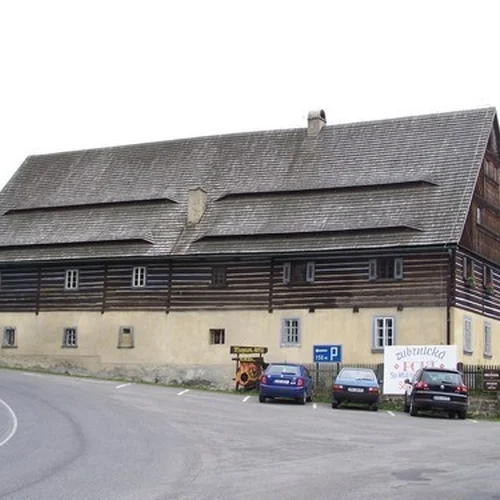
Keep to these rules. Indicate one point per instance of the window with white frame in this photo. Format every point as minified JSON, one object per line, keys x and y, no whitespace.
{"x":467,"y":336}
{"x":126,"y":337}
{"x":9,"y":337}
{"x":69,"y":337}
{"x":290,"y":332}
{"x":487,"y":339}
{"x":299,"y":272}
{"x":71,"y":282}
{"x":139,"y":277}
{"x":385,"y":268}
{"x":384,"y":332}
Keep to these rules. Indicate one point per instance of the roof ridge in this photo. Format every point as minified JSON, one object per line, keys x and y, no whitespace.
{"x":262,"y":131}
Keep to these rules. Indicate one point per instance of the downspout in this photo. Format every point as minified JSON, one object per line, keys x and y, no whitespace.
{"x":450,"y":287}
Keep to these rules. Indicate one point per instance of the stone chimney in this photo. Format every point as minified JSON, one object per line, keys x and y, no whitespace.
{"x":316,"y":120}
{"x":197,"y":202}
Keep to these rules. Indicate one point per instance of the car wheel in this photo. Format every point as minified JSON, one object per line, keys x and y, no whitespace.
{"x":262,"y":399}
{"x":303,"y":399}
{"x":451,"y":414}
{"x":335,"y":405}
{"x":462,"y":415}
{"x":413,"y":410}
{"x":374,"y":407}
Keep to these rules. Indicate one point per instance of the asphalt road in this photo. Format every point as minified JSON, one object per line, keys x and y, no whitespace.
{"x":70,"y":439}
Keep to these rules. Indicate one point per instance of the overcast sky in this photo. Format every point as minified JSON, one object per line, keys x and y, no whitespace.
{"x":78,"y":75}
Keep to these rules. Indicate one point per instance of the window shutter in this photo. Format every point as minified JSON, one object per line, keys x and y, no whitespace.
{"x":310,"y":272}
{"x":287,"y":271}
{"x":372,"y":269}
{"x":467,"y":335}
{"x":398,"y":269}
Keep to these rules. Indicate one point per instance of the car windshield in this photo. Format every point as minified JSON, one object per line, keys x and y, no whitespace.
{"x":439,"y":377}
{"x":357,"y":375}
{"x":283,"y":370}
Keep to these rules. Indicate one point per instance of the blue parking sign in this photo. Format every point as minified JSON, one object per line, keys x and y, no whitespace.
{"x":327,"y":353}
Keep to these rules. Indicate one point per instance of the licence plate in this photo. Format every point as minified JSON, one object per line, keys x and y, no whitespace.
{"x":280,"y":381}
{"x":442,"y":398}
{"x":355,"y":389}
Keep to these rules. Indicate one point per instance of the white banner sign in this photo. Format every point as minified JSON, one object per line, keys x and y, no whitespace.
{"x":401,"y":362}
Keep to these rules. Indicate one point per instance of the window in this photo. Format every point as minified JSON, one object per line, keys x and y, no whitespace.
{"x":467,"y":340}
{"x":287,"y":272}
{"x":9,"y":337}
{"x":126,"y":337}
{"x":299,"y":272}
{"x":487,"y":277}
{"x":487,"y":340}
{"x":69,"y":338}
{"x":217,"y":336}
{"x":139,"y":277}
{"x":383,"y":332}
{"x":71,"y":279}
{"x":467,"y":268}
{"x":219,"y":276}
{"x":290,"y":332}
{"x":385,"y":268}
{"x":310,"y":271}
{"x":478,"y":215}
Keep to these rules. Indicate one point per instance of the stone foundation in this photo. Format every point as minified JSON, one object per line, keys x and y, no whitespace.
{"x":218,"y":377}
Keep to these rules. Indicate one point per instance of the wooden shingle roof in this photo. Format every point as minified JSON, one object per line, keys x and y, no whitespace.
{"x":390,"y":183}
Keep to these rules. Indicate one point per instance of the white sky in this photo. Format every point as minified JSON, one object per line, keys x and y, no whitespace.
{"x":84,"y":74}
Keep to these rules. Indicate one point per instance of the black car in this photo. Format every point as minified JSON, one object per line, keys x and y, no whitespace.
{"x":436,"y":389}
{"x":356,"y":385}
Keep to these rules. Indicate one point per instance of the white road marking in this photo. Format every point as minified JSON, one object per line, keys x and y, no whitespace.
{"x":314,"y":406}
{"x":182,"y":392}
{"x":391,"y":413}
{"x":471,"y":420}
{"x":246,"y":399}
{"x":121,"y":386}
{"x":14,"y":427}
{"x":32,"y":374}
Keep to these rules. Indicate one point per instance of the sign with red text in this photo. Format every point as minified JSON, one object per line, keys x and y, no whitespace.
{"x":402,"y":361}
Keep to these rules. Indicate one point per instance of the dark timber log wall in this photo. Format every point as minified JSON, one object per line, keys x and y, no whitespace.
{"x":474,"y":296}
{"x":253,"y":283}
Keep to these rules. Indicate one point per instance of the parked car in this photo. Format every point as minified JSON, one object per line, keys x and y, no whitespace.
{"x":356,"y":385}
{"x":436,"y":389}
{"x":286,"y":380}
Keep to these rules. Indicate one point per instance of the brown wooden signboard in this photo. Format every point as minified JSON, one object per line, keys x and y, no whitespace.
{"x":247,"y":350}
{"x":491,"y":380}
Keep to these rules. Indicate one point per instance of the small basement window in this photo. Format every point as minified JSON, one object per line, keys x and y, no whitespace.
{"x":126,"y":337}
{"x":69,"y":337}
{"x":9,"y":337}
{"x":217,"y":336}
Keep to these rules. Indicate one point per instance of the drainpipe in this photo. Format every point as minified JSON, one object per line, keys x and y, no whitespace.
{"x":449,"y":292}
